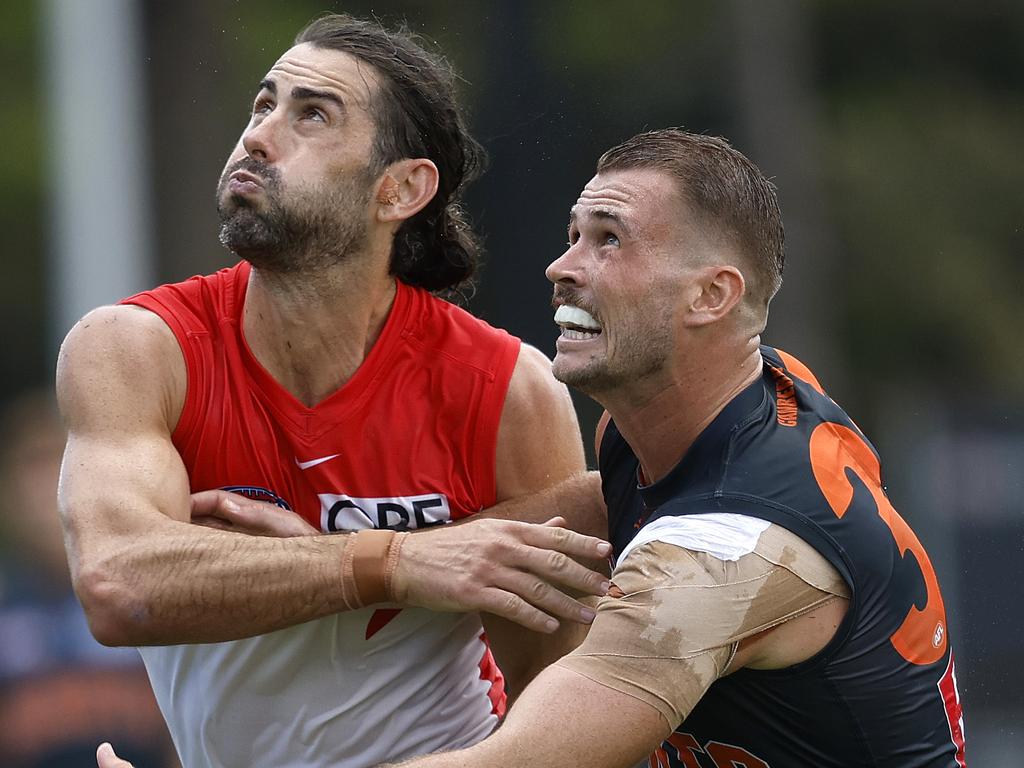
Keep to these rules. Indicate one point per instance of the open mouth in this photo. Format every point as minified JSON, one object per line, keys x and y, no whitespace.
{"x":576,"y":324}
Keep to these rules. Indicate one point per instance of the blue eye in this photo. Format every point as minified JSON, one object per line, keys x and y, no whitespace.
{"x":610,"y":239}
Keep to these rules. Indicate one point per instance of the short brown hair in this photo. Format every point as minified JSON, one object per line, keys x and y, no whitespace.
{"x":722,"y":187}
{"x":417,"y":115}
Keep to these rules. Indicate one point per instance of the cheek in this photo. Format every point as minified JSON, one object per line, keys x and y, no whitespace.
{"x":236,"y":154}
{"x":648,"y":309}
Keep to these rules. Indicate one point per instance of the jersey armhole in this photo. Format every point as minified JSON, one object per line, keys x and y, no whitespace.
{"x":186,"y":342}
{"x":488,"y":420}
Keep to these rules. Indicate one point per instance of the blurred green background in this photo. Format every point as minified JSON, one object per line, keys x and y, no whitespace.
{"x":892,"y":130}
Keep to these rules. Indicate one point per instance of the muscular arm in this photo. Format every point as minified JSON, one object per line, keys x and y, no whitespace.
{"x":146,"y":576}
{"x":143,"y":574}
{"x":564,"y":719}
{"x":541,"y":472}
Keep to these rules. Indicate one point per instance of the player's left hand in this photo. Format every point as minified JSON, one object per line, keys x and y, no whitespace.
{"x":228,"y":511}
{"x":105,"y":758}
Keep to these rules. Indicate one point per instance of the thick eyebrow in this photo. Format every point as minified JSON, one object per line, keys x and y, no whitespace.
{"x":301,"y":93}
{"x":603,"y":214}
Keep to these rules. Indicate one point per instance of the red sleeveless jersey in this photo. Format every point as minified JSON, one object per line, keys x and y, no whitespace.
{"x":409,"y":441}
{"x":418,"y":420}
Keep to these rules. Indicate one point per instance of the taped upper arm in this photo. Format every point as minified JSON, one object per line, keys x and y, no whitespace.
{"x":672,"y":626}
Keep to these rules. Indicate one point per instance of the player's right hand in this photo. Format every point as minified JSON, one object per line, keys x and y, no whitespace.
{"x":511,"y":569}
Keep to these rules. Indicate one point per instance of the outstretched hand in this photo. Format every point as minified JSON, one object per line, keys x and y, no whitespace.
{"x":105,"y":758}
{"x":502,"y":567}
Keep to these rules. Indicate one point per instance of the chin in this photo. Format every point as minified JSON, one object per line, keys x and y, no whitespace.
{"x":576,"y":377}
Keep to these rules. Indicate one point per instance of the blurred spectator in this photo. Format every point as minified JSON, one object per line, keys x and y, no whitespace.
{"x":61,"y":692}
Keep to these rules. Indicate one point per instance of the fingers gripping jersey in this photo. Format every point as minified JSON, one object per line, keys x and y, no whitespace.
{"x":409,"y":441}
{"x":883,"y":691}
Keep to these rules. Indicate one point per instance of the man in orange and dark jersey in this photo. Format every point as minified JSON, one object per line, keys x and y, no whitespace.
{"x":322,"y":375}
{"x":770,"y":608}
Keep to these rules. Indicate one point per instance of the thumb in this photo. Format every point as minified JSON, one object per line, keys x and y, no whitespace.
{"x":556,"y":522}
{"x":106,"y":758}
{"x":212,"y":503}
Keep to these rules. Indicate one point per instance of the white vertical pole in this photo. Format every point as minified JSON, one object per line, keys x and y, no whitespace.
{"x":100,"y":229}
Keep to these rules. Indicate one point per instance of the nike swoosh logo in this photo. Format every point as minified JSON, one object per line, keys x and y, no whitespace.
{"x":314,"y":462}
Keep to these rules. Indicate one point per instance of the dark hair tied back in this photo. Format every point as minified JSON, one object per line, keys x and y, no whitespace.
{"x":417,"y":116}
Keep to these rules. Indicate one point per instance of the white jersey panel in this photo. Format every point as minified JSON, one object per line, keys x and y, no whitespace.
{"x":321,"y":694}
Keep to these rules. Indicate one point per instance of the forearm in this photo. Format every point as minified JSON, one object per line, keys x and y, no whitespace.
{"x":181,"y":583}
{"x":577,"y":498}
{"x":172,"y":582}
{"x":563,"y":719}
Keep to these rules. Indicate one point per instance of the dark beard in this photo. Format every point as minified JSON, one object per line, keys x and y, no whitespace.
{"x":313,"y":230}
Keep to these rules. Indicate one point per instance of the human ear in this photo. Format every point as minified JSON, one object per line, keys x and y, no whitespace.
{"x":405,"y":189}
{"x":720,"y":288}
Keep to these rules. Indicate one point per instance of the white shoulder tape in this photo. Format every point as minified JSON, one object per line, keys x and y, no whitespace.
{"x":724,"y":535}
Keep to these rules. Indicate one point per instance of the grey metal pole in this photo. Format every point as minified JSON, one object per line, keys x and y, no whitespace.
{"x":100,"y":227}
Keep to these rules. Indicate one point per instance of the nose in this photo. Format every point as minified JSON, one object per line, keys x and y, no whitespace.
{"x":259,"y":140}
{"x":565,"y":269}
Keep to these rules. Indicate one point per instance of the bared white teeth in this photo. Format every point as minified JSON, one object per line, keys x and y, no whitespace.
{"x":574,"y":335}
{"x":582,"y":320}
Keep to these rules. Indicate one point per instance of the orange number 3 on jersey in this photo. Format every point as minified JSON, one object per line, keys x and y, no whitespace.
{"x":921,"y":638}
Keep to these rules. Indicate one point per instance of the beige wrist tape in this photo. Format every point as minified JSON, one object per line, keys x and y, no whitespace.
{"x":368,"y":566}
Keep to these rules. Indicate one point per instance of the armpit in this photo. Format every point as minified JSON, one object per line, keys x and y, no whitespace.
{"x":681,"y":614}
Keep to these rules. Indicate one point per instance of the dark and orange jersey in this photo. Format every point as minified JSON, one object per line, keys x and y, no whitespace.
{"x":409,"y":441}
{"x":883,"y":692}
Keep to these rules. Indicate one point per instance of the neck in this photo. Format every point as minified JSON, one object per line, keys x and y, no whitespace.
{"x":313,"y":331}
{"x":661,"y":422}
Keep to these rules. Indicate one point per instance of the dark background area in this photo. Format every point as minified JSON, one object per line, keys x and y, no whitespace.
{"x":893,"y":132}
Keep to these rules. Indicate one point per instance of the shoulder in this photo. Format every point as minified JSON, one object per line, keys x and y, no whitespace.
{"x":118,"y":356}
{"x":533,"y":391}
{"x":456,"y":334}
{"x":725,"y":535}
{"x":539,"y":441}
{"x":123,"y":334}
{"x":198,"y":303}
{"x":780,"y":359}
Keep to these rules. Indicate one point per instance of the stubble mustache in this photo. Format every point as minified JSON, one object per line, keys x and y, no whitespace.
{"x":565,"y":294}
{"x":267,"y":174}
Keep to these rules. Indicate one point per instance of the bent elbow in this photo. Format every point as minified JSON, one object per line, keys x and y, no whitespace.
{"x":111,"y":609}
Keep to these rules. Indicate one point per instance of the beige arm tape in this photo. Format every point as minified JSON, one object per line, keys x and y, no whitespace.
{"x":682,"y":614}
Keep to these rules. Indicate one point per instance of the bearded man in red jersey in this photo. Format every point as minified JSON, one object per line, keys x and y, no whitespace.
{"x":320,"y":375}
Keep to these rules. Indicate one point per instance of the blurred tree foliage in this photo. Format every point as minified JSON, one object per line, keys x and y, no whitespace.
{"x":921,"y":108}
{"x":924,"y":124}
{"x":22,"y":200}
